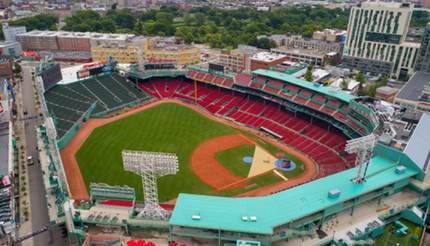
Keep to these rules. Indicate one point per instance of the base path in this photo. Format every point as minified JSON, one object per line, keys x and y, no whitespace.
{"x":77,"y":185}
{"x":207,"y":168}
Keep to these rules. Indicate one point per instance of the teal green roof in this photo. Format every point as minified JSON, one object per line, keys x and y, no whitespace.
{"x":278,"y":209}
{"x":295,"y":69}
{"x":345,"y":97}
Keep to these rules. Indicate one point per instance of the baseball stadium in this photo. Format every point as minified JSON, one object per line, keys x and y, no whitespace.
{"x":197,"y":156}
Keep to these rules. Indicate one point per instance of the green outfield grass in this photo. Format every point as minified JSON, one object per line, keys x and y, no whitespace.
{"x":167,"y":127}
{"x":232,"y":159}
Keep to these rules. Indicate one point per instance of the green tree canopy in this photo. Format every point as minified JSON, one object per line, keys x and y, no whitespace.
{"x":37,"y":22}
{"x":218,"y":27}
{"x":308,"y":74}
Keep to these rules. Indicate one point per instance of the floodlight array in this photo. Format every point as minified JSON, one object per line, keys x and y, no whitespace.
{"x":363,"y":147}
{"x":150,"y":165}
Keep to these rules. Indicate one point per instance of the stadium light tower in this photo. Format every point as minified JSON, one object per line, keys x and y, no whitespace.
{"x":150,"y":165}
{"x":363,"y":147}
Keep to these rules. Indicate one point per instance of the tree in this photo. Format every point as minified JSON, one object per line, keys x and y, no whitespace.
{"x":262,"y":43}
{"x":17,"y":68}
{"x":206,"y":24}
{"x":83,"y":21}
{"x":39,"y":22}
{"x":344,"y":84}
{"x":308,"y":74}
{"x":382,"y":80}
{"x":123,"y":18}
{"x":138,"y":29}
{"x":360,"y":79}
{"x":420,"y":18}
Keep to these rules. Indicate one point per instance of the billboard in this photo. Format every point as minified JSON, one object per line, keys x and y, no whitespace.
{"x":216,"y":67}
{"x":51,"y":76}
{"x":96,"y":70}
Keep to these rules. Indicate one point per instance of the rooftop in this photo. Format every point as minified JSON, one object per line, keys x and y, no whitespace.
{"x":368,"y":4}
{"x":4,"y":148}
{"x":266,"y":213}
{"x":8,"y":43}
{"x":299,"y":51}
{"x":418,"y":147}
{"x":265,"y":56}
{"x":104,"y":36}
{"x":386,"y":90}
{"x":302,"y":83}
{"x":413,"y":89}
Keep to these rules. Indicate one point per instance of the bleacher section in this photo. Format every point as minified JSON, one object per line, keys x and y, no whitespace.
{"x":316,"y":140}
{"x":213,"y":77}
{"x":68,"y":103}
{"x":320,"y":101}
{"x":303,"y":96}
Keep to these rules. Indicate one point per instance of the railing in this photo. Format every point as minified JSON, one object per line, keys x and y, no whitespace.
{"x":155,"y":73}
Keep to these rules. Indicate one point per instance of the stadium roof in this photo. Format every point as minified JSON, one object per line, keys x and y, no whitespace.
{"x":418,"y":147}
{"x":413,"y":89}
{"x":287,"y":206}
{"x":302,"y":83}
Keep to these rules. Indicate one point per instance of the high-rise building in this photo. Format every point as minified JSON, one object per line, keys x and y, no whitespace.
{"x":376,"y":39}
{"x":423,"y":60}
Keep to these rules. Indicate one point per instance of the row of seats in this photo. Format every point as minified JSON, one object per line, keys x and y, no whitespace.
{"x":209,"y":78}
{"x":68,"y":103}
{"x":302,"y":96}
{"x":324,"y":146}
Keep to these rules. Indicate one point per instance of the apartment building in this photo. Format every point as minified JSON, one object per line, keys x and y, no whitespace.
{"x":38,"y":40}
{"x":74,"y":41}
{"x":237,"y":60}
{"x":310,"y":51}
{"x":10,"y":48}
{"x":377,"y":39}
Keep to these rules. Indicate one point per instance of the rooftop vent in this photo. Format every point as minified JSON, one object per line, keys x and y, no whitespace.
{"x":253,"y":218}
{"x":245,"y":218}
{"x":196,"y":217}
{"x":335,"y":193}
{"x":400,"y":169}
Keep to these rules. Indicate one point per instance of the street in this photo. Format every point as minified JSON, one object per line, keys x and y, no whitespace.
{"x":39,"y":212}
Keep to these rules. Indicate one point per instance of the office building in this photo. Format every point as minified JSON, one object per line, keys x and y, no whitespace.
{"x":377,"y":39}
{"x":10,"y":32}
{"x":266,"y":59}
{"x":182,"y":54}
{"x":6,"y":67}
{"x":238,"y":60}
{"x":311,"y":51}
{"x":10,"y":48}
{"x":330,"y":35}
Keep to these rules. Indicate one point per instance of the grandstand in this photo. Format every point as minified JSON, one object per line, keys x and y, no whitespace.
{"x":71,"y":103}
{"x":317,"y":139}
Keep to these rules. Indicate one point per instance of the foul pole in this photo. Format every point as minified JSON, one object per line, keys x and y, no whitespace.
{"x":195,"y":90}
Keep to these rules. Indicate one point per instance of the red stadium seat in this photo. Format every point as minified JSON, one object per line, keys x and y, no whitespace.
{"x":314,"y":140}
